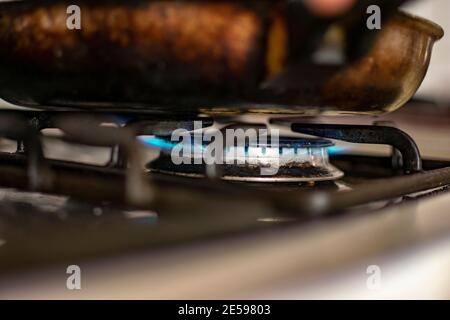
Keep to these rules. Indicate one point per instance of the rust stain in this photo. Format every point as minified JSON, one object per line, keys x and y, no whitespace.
{"x":277,"y":45}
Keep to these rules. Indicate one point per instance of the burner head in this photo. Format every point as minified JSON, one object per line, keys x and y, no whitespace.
{"x":294,"y":160}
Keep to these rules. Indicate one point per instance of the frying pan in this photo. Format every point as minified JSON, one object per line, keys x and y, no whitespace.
{"x":211,"y":57}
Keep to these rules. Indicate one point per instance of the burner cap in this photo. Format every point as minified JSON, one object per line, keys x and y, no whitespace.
{"x":291,"y":160}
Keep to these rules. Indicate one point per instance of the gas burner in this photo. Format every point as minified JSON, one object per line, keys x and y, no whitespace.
{"x":287,"y":160}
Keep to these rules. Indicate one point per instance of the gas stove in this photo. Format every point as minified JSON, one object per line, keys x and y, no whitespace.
{"x":107,"y":191}
{"x":221,"y":149}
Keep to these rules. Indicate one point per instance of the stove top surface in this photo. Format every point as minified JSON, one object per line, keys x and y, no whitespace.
{"x":65,"y":205}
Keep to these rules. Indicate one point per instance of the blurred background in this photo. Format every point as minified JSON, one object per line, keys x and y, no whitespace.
{"x":435,"y":87}
{"x":436,"y":84}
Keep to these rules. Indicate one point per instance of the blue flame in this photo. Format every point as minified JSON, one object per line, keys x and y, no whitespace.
{"x":336,"y":150}
{"x":161,"y":143}
{"x":156,"y":142}
{"x":164,"y":144}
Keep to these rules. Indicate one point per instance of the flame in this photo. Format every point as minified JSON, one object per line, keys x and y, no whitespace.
{"x":156,"y":142}
{"x":337,"y":150}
